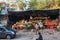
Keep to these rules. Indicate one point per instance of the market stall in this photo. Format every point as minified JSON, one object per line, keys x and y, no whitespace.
{"x":16,"y":16}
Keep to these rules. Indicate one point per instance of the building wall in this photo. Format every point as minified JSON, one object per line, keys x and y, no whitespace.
{"x":3,"y":20}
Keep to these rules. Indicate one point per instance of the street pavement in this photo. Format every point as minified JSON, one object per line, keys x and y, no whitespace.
{"x":32,"y":35}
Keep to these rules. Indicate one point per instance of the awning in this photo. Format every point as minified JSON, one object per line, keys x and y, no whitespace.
{"x":35,"y":12}
{"x":2,"y":2}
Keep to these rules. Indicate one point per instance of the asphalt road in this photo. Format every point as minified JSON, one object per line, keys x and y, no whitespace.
{"x":32,"y":36}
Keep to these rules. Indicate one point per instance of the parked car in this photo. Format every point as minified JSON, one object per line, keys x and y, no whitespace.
{"x":6,"y":32}
{"x":11,"y":8}
{"x":4,"y":11}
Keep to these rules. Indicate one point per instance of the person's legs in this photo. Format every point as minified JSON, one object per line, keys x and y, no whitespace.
{"x":37,"y":31}
{"x":41,"y":29}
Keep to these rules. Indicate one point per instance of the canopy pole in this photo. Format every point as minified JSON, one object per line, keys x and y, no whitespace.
{"x":59,"y":16}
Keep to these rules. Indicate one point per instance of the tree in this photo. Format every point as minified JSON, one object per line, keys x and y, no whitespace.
{"x":0,"y":5}
{"x":55,"y":3}
{"x":13,"y":5}
{"x":38,"y":4}
{"x":33,"y":4}
{"x":58,"y":2}
{"x":21,"y":4}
